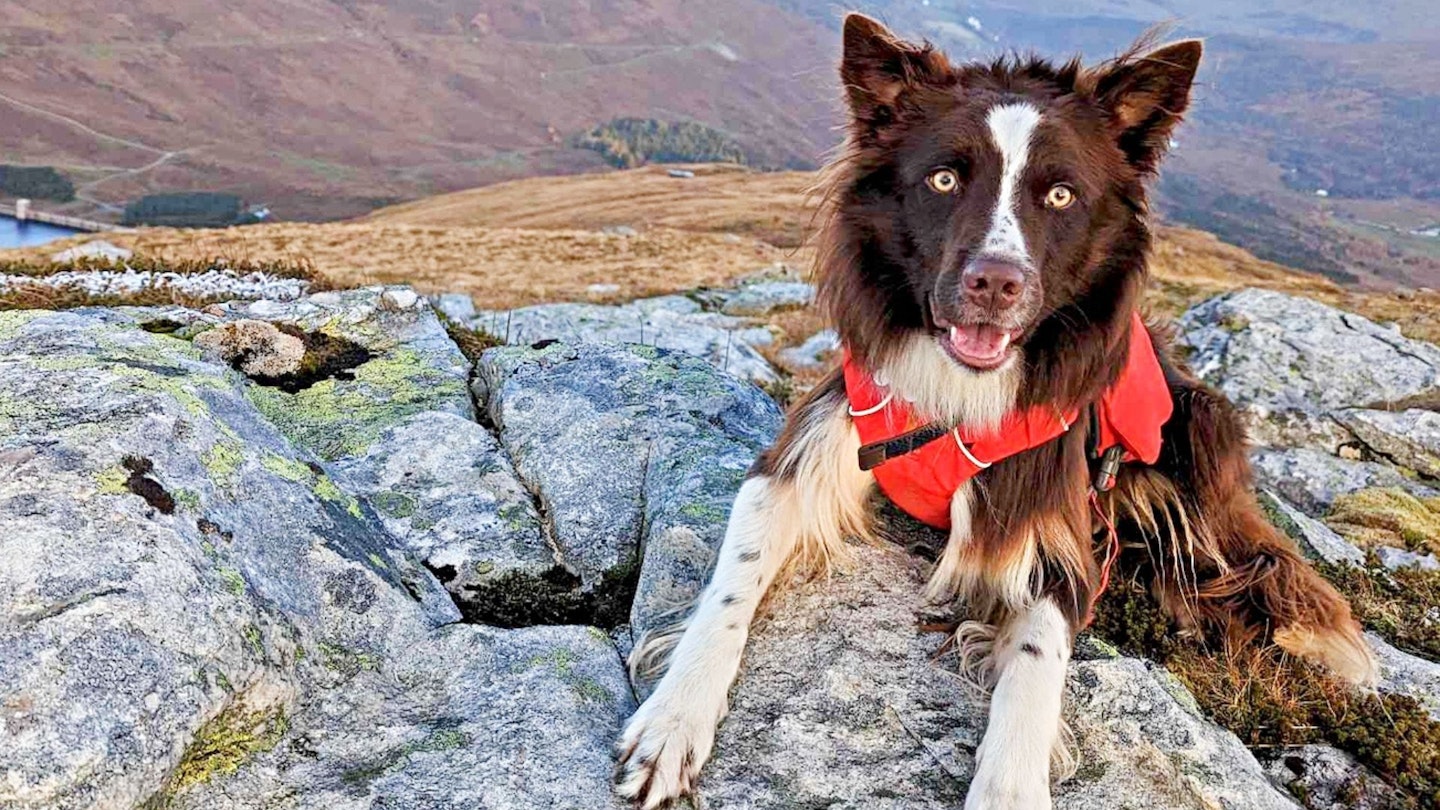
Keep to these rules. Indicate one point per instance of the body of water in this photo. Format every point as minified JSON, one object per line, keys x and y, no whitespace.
{"x":14,"y":233}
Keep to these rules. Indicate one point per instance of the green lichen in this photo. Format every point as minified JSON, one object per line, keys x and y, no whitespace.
{"x":377,"y":561}
{"x":221,"y":747}
{"x":112,"y":481}
{"x":286,"y":468}
{"x":327,"y":490}
{"x":223,"y":460}
{"x":234,"y":581}
{"x":257,"y":644}
{"x":344,"y":661}
{"x":12,"y":321}
{"x":187,"y":499}
{"x":1384,"y":516}
{"x":343,"y":418}
{"x":396,"y":759}
{"x":394,"y":504}
{"x":562,"y":661}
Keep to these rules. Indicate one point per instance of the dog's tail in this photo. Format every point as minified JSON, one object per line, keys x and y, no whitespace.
{"x":1218,"y":564}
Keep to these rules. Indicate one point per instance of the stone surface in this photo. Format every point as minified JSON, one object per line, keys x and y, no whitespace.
{"x":1289,"y":362}
{"x":766,"y":297}
{"x":1312,"y":479}
{"x":1394,"y":558}
{"x":455,"y":306}
{"x":671,"y":322}
{"x":168,"y":556}
{"x":413,"y":368}
{"x":630,"y":448}
{"x":1317,"y":540}
{"x":1331,"y":779}
{"x":814,"y":353}
{"x":1410,"y":438}
{"x":257,"y":348}
{"x":445,"y":489}
{"x":1407,"y":674}
{"x":841,"y":704}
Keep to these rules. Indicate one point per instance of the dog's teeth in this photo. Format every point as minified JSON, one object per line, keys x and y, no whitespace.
{"x":1004,"y":341}
{"x":954,"y":330}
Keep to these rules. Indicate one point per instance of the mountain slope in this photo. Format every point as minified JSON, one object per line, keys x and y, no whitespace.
{"x":326,"y":109}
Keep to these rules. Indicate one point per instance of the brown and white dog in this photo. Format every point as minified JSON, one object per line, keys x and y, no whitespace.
{"x":985,"y":253}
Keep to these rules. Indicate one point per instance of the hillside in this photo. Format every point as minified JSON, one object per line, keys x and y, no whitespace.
{"x":281,"y":102}
{"x":541,"y":239}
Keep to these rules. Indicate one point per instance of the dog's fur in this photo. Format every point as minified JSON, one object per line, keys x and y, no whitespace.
{"x":896,"y":269}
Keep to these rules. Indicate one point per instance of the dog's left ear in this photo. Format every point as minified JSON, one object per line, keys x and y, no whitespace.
{"x":1147,"y":96}
{"x":878,"y":68}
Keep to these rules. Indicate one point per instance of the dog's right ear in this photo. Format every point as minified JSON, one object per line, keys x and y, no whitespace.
{"x":878,"y":68}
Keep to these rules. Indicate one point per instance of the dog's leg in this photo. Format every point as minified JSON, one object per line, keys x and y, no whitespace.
{"x":1229,"y":567}
{"x":805,"y":496}
{"x":1012,"y":768}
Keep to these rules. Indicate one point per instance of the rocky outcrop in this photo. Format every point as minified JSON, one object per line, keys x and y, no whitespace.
{"x":378,"y":576}
{"x":674,"y":322}
{"x":1290,"y":363}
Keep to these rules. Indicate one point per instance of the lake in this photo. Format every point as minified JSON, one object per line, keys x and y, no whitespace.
{"x":14,"y":233}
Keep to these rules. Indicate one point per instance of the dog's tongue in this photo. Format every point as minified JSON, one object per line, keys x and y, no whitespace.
{"x":982,"y":343}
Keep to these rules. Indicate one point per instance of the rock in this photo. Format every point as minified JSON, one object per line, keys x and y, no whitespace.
{"x":1289,"y":362}
{"x":455,"y":306}
{"x":1312,"y":479}
{"x":1395,"y":558}
{"x":257,"y":348}
{"x":1330,"y":779}
{"x":813,"y":354}
{"x":1315,"y":538}
{"x":473,"y":717}
{"x":840,"y":703}
{"x":397,"y":363}
{"x":97,"y":249}
{"x":602,"y":290}
{"x":619,"y":230}
{"x":399,"y":299}
{"x":170,"y":559}
{"x":218,"y":282}
{"x":1409,"y":438}
{"x":445,"y":489}
{"x":628,"y":448}
{"x":1406,"y":674}
{"x":764,"y":298}
{"x":670,"y":322}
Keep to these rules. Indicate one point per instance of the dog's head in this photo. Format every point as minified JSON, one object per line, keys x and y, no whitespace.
{"x":994,"y":206}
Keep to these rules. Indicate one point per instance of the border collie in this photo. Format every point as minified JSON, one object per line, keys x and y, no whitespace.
{"x":983,"y":257}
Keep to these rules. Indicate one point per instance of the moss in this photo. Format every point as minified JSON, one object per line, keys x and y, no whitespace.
{"x":472,"y":342}
{"x":1399,"y":605}
{"x":1389,"y":517}
{"x":221,"y":747}
{"x":1269,"y":699}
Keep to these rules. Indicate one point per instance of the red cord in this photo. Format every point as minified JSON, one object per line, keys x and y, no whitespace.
{"x":1112,"y":552}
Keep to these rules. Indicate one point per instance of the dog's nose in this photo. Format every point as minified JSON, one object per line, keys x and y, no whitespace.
{"x":994,"y":285}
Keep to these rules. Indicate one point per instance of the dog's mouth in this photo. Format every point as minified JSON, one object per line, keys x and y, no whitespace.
{"x":981,"y":346}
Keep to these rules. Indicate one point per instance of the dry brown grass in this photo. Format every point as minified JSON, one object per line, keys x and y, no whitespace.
{"x":536,"y":240}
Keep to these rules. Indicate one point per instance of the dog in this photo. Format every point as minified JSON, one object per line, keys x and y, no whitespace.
{"x":983,"y":258}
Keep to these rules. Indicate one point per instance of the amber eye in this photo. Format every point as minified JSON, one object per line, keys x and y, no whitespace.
{"x":943,"y":181}
{"x":1059,"y":197}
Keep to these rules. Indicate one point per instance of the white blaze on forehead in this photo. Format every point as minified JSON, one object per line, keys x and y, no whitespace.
{"x":1011,"y":129}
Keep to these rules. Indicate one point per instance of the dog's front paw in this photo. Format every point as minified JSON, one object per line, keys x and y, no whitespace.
{"x":662,"y":750}
{"x":992,"y":789}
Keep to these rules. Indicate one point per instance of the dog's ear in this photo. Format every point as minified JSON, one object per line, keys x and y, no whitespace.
{"x":878,"y":68}
{"x":1146,"y":95}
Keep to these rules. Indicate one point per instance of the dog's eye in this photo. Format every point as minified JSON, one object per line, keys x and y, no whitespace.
{"x":943,"y":181}
{"x":1059,"y":197}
